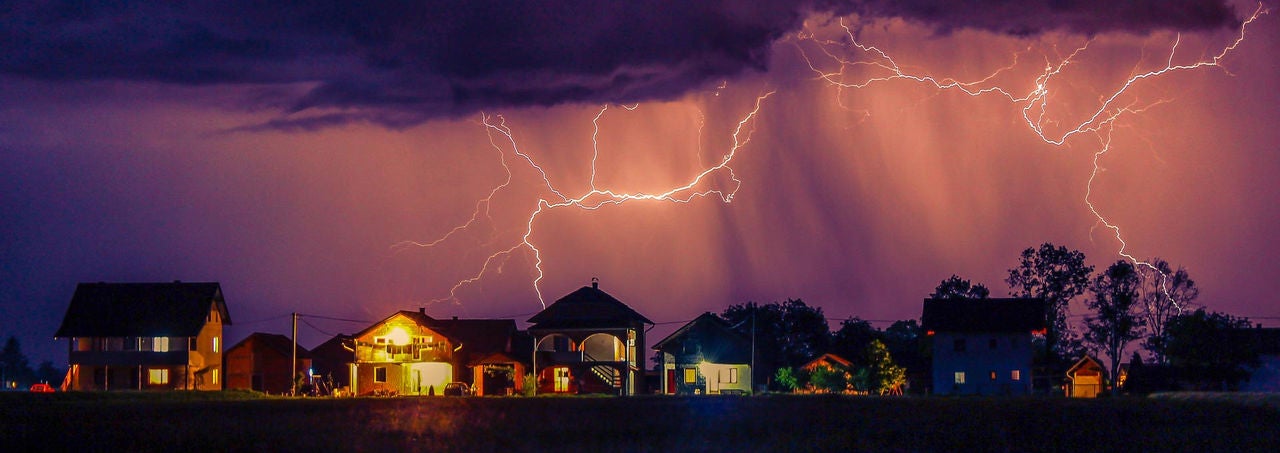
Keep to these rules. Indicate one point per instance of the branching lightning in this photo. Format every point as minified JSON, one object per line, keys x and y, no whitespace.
{"x":832,"y":61}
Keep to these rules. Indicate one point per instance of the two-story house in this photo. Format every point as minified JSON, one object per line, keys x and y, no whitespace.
{"x":589,"y":342}
{"x":145,"y":336}
{"x":982,"y":346}
{"x":705,"y":357}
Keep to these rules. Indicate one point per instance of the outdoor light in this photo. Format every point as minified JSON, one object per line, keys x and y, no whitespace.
{"x":397,"y":336}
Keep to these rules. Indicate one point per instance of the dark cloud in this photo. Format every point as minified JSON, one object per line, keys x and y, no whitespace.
{"x":421,"y":60}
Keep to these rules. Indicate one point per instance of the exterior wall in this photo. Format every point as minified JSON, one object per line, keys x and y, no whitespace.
{"x":414,"y":357}
{"x":487,"y":384}
{"x":1012,"y":352}
{"x":254,"y":366}
{"x":582,"y":353}
{"x":127,"y":377}
{"x":206,"y":356}
{"x":122,"y":363}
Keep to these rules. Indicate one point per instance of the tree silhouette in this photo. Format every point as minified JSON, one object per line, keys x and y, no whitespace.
{"x":958,"y":288}
{"x":1057,"y":275}
{"x":788,"y":333}
{"x":1165,"y":293}
{"x":1210,"y":350}
{"x":1116,"y":321}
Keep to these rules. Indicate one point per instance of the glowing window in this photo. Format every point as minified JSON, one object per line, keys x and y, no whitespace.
{"x":690,"y":375}
{"x":216,"y":346}
{"x":993,"y":375}
{"x":380,"y":374}
{"x":214,"y":376}
{"x":157,"y":376}
{"x":959,"y":377}
{"x":561,"y":380}
{"x":160,"y":344}
{"x":1016,"y":375}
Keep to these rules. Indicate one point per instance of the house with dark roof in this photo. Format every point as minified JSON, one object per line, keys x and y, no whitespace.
{"x":705,"y":357}
{"x":410,"y":353}
{"x":261,"y":362}
{"x":145,"y":336}
{"x":332,"y":360}
{"x":982,"y":346}
{"x":589,"y":342}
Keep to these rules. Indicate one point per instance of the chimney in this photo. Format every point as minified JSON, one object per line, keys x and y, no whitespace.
{"x":595,"y":283}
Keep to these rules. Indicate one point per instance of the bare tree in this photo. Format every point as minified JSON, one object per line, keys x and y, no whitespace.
{"x":1165,"y":293}
{"x":1116,"y":320}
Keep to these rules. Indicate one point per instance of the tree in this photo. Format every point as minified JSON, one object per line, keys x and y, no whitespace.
{"x":958,"y":288}
{"x":1165,"y":293}
{"x":788,"y":378}
{"x":851,"y":340}
{"x":1116,"y":321}
{"x":14,"y":366}
{"x":829,"y":379}
{"x":909,"y":346}
{"x":1210,"y":350}
{"x":883,"y":376}
{"x":1056,"y":274}
{"x":46,"y":372}
{"x":788,"y":333}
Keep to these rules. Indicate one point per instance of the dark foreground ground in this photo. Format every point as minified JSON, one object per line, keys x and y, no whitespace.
{"x":242,"y":422}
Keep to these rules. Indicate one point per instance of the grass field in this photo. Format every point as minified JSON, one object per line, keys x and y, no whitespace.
{"x":236,"y":421}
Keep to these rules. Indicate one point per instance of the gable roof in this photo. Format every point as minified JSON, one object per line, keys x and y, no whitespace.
{"x":274,"y":342}
{"x":587,"y":307}
{"x":475,"y":336}
{"x":1086,"y":361}
{"x":141,"y":309}
{"x":983,"y":315}
{"x":708,"y":327}
{"x":829,"y":359}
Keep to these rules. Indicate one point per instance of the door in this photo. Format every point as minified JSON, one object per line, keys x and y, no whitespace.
{"x":671,"y":382}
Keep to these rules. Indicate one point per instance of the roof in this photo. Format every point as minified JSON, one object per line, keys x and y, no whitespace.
{"x":1086,"y":361}
{"x":983,"y":315}
{"x":587,"y":307}
{"x":141,"y":309}
{"x":475,"y":336}
{"x":706,"y":327}
{"x":829,"y":359}
{"x":274,"y":342}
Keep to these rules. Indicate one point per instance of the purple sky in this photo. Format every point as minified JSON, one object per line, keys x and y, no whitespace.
{"x":289,"y":153}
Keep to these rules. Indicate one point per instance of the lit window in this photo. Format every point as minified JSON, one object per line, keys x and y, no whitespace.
{"x":959,"y":377}
{"x":160,"y":344}
{"x":157,"y":376}
{"x":690,"y":375}
{"x":380,"y":374}
{"x":993,"y":375}
{"x":216,"y":345}
{"x":561,"y":379}
{"x":959,"y":345}
{"x":214,"y":376}
{"x":1016,"y":375}
{"x":729,"y":375}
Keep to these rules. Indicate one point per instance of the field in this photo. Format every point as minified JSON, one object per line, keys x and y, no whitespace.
{"x":235,"y":421}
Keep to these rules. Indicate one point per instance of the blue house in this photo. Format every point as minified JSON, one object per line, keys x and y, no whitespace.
{"x":982,"y":346}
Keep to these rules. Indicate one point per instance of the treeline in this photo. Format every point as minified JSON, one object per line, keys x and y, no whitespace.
{"x":16,"y":371}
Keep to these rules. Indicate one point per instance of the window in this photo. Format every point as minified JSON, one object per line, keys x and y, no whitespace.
{"x":214,"y":377}
{"x":993,"y":375}
{"x":1015,"y":375}
{"x":562,"y":379}
{"x":216,"y":345}
{"x":160,"y":344}
{"x":991,"y":344}
{"x":729,"y":375}
{"x":380,"y":374}
{"x":690,"y":375}
{"x":158,"y":376}
{"x":959,"y":377}
{"x":959,"y":345}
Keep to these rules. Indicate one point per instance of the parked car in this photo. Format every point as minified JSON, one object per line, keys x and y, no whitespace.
{"x":457,"y":389}
{"x":42,"y":388}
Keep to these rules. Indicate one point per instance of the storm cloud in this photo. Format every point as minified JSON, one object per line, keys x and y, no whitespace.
{"x":401,"y":63}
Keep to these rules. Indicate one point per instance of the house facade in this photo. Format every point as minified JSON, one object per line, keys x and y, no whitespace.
{"x":1085,"y":379}
{"x":145,"y":336}
{"x":589,"y":342}
{"x":705,"y":357}
{"x":331,"y":362}
{"x":261,"y":362}
{"x":410,"y":353}
{"x":982,"y":346}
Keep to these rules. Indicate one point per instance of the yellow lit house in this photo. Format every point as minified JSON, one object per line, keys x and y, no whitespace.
{"x":145,"y":336}
{"x":705,"y":357}
{"x":410,"y":353}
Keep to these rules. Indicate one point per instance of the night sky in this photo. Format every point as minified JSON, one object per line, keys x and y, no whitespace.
{"x":297,"y":153}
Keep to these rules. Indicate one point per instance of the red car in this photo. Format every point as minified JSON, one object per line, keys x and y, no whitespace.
{"x":42,"y":388}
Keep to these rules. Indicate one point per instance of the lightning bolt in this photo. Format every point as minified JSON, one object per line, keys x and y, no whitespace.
{"x":842,"y":56}
{"x":848,"y":53}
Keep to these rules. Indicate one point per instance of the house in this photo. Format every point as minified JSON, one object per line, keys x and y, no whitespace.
{"x":588,"y":342}
{"x":331,"y":361}
{"x":261,"y":362}
{"x":982,"y":346}
{"x":145,"y":336}
{"x":410,"y":353}
{"x":705,"y":357}
{"x":1086,"y":378}
{"x":829,"y":362}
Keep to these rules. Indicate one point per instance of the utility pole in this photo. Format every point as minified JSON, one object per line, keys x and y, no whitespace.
{"x":293,"y":362}
{"x":753,"y":349}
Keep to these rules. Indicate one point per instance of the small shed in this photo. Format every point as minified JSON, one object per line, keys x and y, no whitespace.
{"x":1085,"y":379}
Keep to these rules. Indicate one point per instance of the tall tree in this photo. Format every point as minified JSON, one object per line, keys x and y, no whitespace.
{"x":1116,"y":320}
{"x":1210,"y":350}
{"x":788,"y":333}
{"x":883,"y":375}
{"x":958,"y":288}
{"x":14,"y":366}
{"x":909,"y":346}
{"x":851,"y":340}
{"x":1165,"y":293}
{"x":1056,"y":274}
